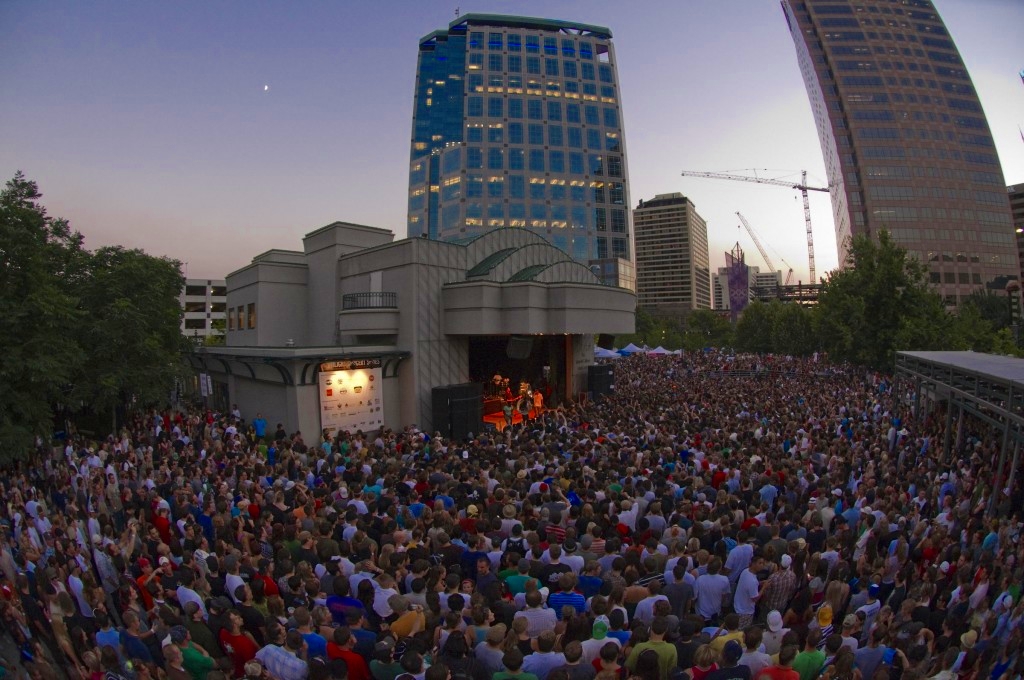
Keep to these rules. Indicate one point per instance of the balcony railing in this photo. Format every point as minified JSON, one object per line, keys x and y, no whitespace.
{"x":369,"y":301}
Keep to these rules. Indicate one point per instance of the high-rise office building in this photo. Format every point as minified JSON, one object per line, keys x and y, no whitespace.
{"x":673,"y":268}
{"x":517,"y":123}
{"x":1016,"y":195}
{"x":905,"y":141}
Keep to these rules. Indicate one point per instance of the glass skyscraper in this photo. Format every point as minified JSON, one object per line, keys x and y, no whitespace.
{"x":905,"y":140}
{"x":517,"y":123}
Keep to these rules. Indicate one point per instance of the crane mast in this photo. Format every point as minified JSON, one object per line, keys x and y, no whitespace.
{"x":801,"y":186}
{"x":760,"y":248}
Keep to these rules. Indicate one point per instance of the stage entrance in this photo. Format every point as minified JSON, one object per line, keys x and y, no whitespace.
{"x":538,"y":360}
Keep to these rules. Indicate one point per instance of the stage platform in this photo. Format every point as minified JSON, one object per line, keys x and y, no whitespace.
{"x":498,"y":419}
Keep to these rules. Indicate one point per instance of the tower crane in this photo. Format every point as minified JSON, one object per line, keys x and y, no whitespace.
{"x":802,"y":186}
{"x":760,"y":248}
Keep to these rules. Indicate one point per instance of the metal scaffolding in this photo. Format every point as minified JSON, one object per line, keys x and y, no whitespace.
{"x":987,"y":386}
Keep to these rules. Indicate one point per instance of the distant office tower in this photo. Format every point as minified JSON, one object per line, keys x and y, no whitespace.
{"x":757,"y":280}
{"x":673,"y":270}
{"x":517,"y":123}
{"x":905,"y":140}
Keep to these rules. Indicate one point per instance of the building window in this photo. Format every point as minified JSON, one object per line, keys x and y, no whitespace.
{"x":495,"y":106}
{"x":569,"y":69}
{"x":515,"y":107}
{"x":551,"y":46}
{"x":611,"y":118}
{"x":515,"y":42}
{"x":554,"y":111}
{"x":555,"y":137}
{"x":587,"y":70}
{"x":495,"y":160}
{"x":515,"y":159}
{"x":476,"y":40}
{"x":474,"y":158}
{"x":536,"y":160}
{"x":605,"y":72}
{"x":515,"y":63}
{"x":533,"y":44}
{"x":195,"y":306}
{"x":475,"y":107}
{"x":568,"y":48}
{"x":556,"y":161}
{"x":535,"y":109}
{"x":195,"y":291}
{"x":618,"y":220}
{"x":241,"y":317}
{"x":551,"y":67}
{"x":494,"y":62}
{"x":251,"y":315}
{"x":601,"y":219}
{"x":231,"y":320}
{"x":494,"y":41}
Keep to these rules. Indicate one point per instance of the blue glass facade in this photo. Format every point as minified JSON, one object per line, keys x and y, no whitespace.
{"x":517,"y":123}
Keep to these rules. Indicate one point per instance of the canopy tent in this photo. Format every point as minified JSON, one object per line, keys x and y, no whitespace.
{"x":602,"y":353}
{"x":630,"y":349}
{"x":660,"y":351}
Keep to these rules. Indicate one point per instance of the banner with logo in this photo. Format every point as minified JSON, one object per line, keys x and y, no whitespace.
{"x":351,"y":395}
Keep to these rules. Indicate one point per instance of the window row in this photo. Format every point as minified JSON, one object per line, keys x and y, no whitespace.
{"x":514,"y":42}
{"x":534,"y":134}
{"x":576,"y":217}
{"x":537,"y":109}
{"x":242,"y":317}
{"x":534,"y":188}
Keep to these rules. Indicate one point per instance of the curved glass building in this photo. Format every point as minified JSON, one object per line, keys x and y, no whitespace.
{"x":906,"y":143}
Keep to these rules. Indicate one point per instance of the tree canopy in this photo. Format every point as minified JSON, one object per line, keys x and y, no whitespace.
{"x":83,"y":330}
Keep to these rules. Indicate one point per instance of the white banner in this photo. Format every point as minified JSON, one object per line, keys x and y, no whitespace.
{"x":204,"y":388}
{"x":351,"y":396}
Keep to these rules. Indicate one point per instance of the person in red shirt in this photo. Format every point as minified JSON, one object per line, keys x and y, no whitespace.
{"x":148,"y":574}
{"x":238,"y":644}
{"x":342,"y":647}
{"x":784,"y":669}
{"x":162,"y":522}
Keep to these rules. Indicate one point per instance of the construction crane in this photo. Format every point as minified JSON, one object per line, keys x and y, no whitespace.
{"x":760,"y":248}
{"x":802,"y":186}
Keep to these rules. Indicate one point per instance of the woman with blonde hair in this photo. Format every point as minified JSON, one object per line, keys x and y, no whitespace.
{"x":705,"y":661}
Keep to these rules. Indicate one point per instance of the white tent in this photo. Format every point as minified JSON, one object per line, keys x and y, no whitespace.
{"x":630,"y":349}
{"x":602,"y":353}
{"x":659,"y":350}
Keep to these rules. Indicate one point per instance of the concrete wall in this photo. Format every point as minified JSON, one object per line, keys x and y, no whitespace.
{"x":278,"y":289}
{"x":322,"y":249}
{"x":488,"y":308}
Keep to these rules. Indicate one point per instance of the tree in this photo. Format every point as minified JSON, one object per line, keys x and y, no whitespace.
{"x":754,"y":328}
{"x":133,"y":336}
{"x":792,"y":329}
{"x":39,"y":268}
{"x":705,"y":328}
{"x":880,"y":303}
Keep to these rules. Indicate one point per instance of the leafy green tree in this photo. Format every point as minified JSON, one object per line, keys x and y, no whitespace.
{"x":754,"y":328}
{"x":792,"y":329}
{"x":133,"y":338}
{"x":705,"y":328}
{"x":39,"y":258}
{"x":993,"y":307}
{"x":880,"y":303}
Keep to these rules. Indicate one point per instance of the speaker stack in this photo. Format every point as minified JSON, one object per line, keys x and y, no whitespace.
{"x":600,"y":380}
{"x":458,"y":410}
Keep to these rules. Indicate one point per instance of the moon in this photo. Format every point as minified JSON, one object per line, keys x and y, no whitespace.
{"x":266,"y":88}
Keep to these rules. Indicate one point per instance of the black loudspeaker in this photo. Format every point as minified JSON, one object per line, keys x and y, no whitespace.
{"x":600,"y":379}
{"x":458,"y":410}
{"x":519,"y":347}
{"x":605,"y":341}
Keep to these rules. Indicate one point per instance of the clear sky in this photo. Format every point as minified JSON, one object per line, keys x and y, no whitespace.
{"x":148,"y":125}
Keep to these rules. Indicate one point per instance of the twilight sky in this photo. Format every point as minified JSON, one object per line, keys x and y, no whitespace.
{"x":147,"y":124}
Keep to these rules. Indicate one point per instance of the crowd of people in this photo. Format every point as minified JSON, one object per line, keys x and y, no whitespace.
{"x":717,"y":518}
